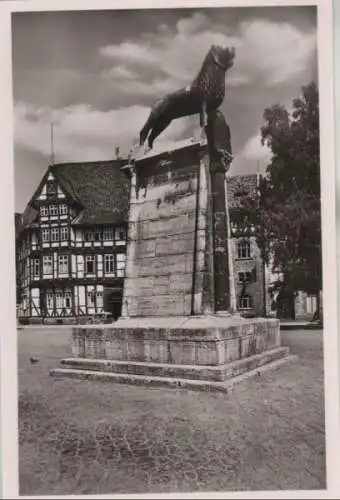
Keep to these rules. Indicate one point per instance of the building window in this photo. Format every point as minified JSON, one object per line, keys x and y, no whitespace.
{"x":109,"y":264}
{"x":43,"y":210}
{"x":53,"y":209}
{"x":47,"y":264}
{"x":49,"y":300}
{"x":95,"y":298}
{"x":51,"y":188}
{"x":311,"y":304}
{"x":120,"y":264}
{"x":36,"y":268}
{"x":120,"y":234}
{"x":59,"y":300}
{"x":90,"y":261}
{"x":63,"y":233}
{"x":63,"y":209}
{"x":45,"y":235}
{"x":88,"y":235}
{"x":97,"y":235}
{"x":68,"y":299}
{"x":245,"y":302}
{"x":245,"y":277}
{"x":91,"y":296}
{"x":243,"y":250}
{"x":63,"y":263}
{"x":107,"y":233}
{"x":55,"y":234}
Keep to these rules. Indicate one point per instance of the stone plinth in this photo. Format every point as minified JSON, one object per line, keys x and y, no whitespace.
{"x":177,"y":326}
{"x":200,"y":353}
{"x":169,"y":252}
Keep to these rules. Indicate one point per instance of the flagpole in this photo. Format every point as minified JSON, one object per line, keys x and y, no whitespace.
{"x":52,"y":145}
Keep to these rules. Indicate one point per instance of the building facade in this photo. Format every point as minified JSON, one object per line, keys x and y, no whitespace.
{"x":253,"y":278}
{"x":71,"y":247}
{"x":250,"y":274}
{"x":71,"y":243}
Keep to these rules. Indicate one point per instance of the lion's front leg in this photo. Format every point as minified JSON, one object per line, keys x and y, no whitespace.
{"x":203,"y":115}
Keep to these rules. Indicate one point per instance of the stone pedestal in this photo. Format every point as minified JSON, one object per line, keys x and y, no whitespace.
{"x":177,"y":326}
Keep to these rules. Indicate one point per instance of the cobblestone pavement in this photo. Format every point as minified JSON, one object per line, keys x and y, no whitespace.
{"x":78,"y":437}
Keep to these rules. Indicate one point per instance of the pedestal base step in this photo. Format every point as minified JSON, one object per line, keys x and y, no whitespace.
{"x":176,"y":376}
{"x":218,"y":373}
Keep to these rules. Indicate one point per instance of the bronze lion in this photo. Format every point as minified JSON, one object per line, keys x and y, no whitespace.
{"x":204,"y":96}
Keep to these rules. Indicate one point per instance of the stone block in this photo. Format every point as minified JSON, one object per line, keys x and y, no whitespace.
{"x":169,"y":264}
{"x":210,"y":353}
{"x":168,"y":203}
{"x":167,"y":226}
{"x":116,"y":349}
{"x":168,"y":246}
{"x":156,"y":351}
{"x":139,"y":286}
{"x":232,"y":349}
{"x":248,"y":346}
{"x":158,"y":305}
{"x":187,"y":303}
{"x":95,"y":348}
{"x":260,"y":328}
{"x":135,"y":350}
{"x":261,"y":341}
{"x":180,"y":282}
{"x":182,"y":353}
{"x":144,"y":248}
{"x":78,"y":345}
{"x":161,"y":281}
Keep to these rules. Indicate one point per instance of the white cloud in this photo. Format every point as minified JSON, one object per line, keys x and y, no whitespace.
{"x":129,"y":52}
{"x":254,"y":150}
{"x":121,"y":73}
{"x":267,"y":53}
{"x":84,"y":133}
{"x":188,"y":26}
{"x":274,"y":52}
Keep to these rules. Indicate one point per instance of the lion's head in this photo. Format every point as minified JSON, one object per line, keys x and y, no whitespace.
{"x":224,"y":56}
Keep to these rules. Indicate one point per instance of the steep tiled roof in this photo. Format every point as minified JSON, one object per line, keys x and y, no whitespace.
{"x":99,"y":187}
{"x":240,"y":186}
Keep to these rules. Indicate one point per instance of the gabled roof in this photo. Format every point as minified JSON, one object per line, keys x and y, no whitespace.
{"x":100,"y":188}
{"x":240,"y":186}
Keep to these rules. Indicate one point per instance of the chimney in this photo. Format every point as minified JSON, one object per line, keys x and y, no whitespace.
{"x":117,"y":153}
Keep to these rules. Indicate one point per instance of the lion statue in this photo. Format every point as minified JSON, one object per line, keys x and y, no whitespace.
{"x":204,"y":96}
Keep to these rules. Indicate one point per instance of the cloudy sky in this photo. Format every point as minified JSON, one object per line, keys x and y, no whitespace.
{"x":96,"y":75}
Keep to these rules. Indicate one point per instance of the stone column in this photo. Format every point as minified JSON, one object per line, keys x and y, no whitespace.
{"x":220,"y":238}
{"x":233,"y":305}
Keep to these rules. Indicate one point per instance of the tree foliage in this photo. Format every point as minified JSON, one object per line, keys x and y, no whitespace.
{"x":286,"y":215}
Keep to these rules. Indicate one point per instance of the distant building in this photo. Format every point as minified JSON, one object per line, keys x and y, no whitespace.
{"x":249,"y":271}
{"x":71,"y":247}
{"x":71,"y":243}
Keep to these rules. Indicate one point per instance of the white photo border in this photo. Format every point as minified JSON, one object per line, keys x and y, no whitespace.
{"x":8,"y":341}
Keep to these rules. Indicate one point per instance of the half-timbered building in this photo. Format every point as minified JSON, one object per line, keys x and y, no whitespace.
{"x":71,"y":243}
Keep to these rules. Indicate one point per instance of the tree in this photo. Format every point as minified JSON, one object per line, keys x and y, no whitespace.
{"x":287,"y":213}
